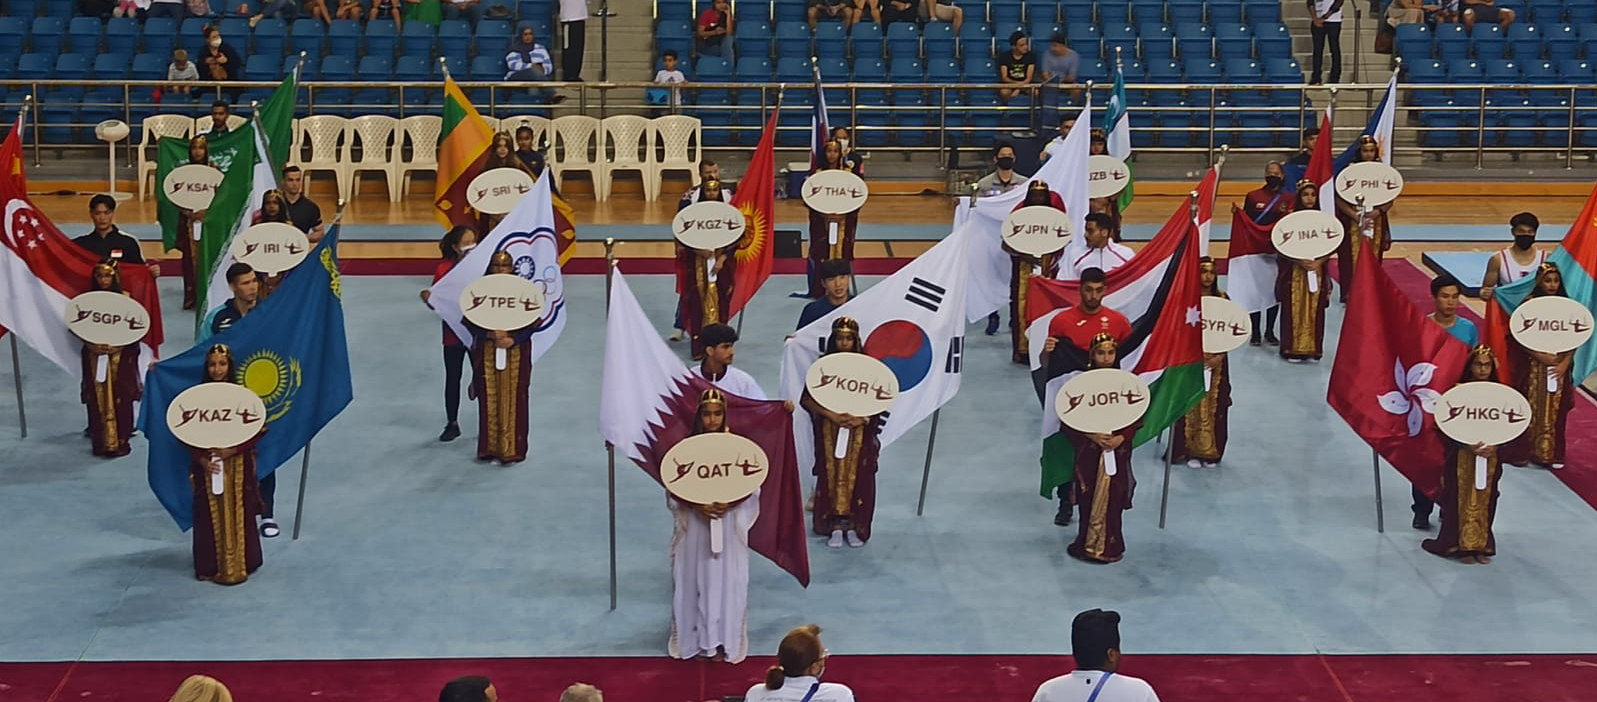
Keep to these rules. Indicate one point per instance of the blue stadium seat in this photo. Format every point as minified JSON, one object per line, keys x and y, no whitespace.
{"x":1146,"y":11}
{"x":494,"y":35}
{"x":417,"y":39}
{"x":454,"y":39}
{"x":752,"y":38}
{"x":1503,"y":71}
{"x":310,"y":71}
{"x":753,"y":69}
{"x":870,"y":71}
{"x":1258,"y":11}
{"x":1233,"y":41}
{"x":794,"y":69}
{"x":261,"y":67}
{"x":342,"y":68}
{"x":149,"y":66}
{"x":903,"y":40}
{"x":12,"y":31}
{"x":1042,"y":10}
{"x":943,"y":70}
{"x":234,"y":29}
{"x":1560,"y":41}
{"x":1525,"y":42}
{"x":343,"y":38}
{"x":1194,"y":41}
{"x":831,"y":41}
{"x":1542,"y":11}
{"x":787,"y":12}
{"x":678,"y":9}
{"x":792,"y":39}
{"x":47,"y":34}
{"x":1490,"y":41}
{"x":1086,"y":39}
{"x":270,"y":36}
{"x":112,"y":67}
{"x":70,"y":67}
{"x":1225,"y":12}
{"x":1113,"y":11}
{"x":1543,"y":73}
{"x":413,"y":69}
{"x":1465,"y":71}
{"x":1094,"y":70}
{"x":1580,"y":12}
{"x":1575,"y":70}
{"x":1283,"y":70}
{"x":381,"y":37}
{"x":195,"y":27}
{"x":980,"y":69}
{"x":677,"y":29}
{"x":1115,"y":36}
{"x":1413,"y":41}
{"x":306,"y":35}
{"x":906,"y":69}
{"x":1074,"y":12}
{"x":714,"y":69}
{"x":1272,"y":39}
{"x":1005,"y":12}
{"x":84,"y":34}
{"x":835,"y":71}
{"x":23,"y":9}
{"x":1184,"y":12}
{"x":938,"y":39}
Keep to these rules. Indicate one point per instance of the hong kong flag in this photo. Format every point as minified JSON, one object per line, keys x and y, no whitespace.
{"x":1391,"y":366}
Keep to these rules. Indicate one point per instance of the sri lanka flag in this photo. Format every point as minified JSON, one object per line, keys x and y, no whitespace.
{"x":462,"y":148}
{"x":1576,"y":258}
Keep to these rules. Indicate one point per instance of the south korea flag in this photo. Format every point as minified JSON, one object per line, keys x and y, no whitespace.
{"x":914,"y":321}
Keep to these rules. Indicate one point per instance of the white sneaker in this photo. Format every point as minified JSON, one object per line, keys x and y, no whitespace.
{"x":854,"y":541}
{"x":1193,"y":463}
{"x":1211,"y":464}
{"x":837,"y":539}
{"x":269,"y":528}
{"x":1556,"y":466}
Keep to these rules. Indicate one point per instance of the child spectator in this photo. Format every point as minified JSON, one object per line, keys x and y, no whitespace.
{"x":181,"y":69}
{"x":714,"y":33}
{"x":669,"y":75}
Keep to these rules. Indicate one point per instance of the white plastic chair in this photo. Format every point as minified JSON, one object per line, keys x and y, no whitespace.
{"x":324,"y":134}
{"x":421,"y":132}
{"x":578,"y":145}
{"x":156,"y":127}
{"x":681,"y":142}
{"x":630,"y":142}
{"x":374,"y":135}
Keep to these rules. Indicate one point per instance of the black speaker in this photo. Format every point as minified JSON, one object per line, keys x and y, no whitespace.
{"x":789,"y":243}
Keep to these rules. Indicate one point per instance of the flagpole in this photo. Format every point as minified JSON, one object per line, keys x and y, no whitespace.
{"x":1170,"y":446}
{"x":609,"y":448}
{"x":926,"y":472}
{"x":1380,"y":511}
{"x":16,"y":375}
{"x":305,"y":456}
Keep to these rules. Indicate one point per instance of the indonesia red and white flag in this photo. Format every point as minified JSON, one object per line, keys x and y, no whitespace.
{"x":41,"y":270}
{"x":1391,"y":366}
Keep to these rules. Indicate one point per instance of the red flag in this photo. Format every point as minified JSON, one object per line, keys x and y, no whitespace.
{"x":1392,"y":365}
{"x":756,"y":198}
{"x":40,"y":269}
{"x":1322,"y":164}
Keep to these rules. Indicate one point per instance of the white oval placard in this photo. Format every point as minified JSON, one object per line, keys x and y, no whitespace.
{"x":1226,"y":325}
{"x":497,"y":190}
{"x":191,"y":186}
{"x":1551,"y":324}
{"x":1101,"y":401}
{"x":216,"y":415}
{"x":105,"y":317}
{"x":715,"y":467}
{"x":1036,"y":230}
{"x":1106,"y":175}
{"x":1376,"y":181}
{"x":1306,"y":235}
{"x":852,"y":383}
{"x":835,"y":192}
{"x":271,"y":247}
{"x":1482,"y":413}
{"x":708,"y":225}
{"x":502,"y":301}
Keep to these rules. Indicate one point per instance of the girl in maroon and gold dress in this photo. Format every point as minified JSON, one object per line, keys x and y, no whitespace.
{"x":501,"y":154}
{"x":187,"y":220}
{"x":1302,"y":309}
{"x":1545,"y":380}
{"x":1467,"y":513}
{"x":1101,"y":497}
{"x":821,"y":246}
{"x":110,"y":401}
{"x":1200,"y":435}
{"x":227,"y":546}
{"x":845,"y":488}
{"x":1022,"y":267}
{"x":501,"y":394}
{"x":1375,"y":220}
{"x":273,"y":209}
{"x":703,"y":301}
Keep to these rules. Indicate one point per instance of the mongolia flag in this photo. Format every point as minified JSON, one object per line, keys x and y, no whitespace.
{"x":1158,"y":292}
{"x":41,"y":269}
{"x":1576,"y":258}
{"x":647,"y":403}
{"x":756,"y":199}
{"x":820,"y":127}
{"x":462,"y":148}
{"x":290,"y":350}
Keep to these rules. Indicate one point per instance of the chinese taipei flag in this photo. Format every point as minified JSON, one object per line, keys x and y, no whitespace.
{"x":1158,"y":292}
{"x":914,"y":321}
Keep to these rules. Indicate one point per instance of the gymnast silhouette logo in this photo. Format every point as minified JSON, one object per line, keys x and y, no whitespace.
{"x":134,"y":324}
{"x":476,"y":301}
{"x":1072,"y":401}
{"x":81,"y":314}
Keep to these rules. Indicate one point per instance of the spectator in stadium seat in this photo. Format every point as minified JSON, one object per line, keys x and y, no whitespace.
{"x":1405,"y":12}
{"x":349,"y":10}
{"x":470,"y":9}
{"x":429,"y":11}
{"x":831,"y":9}
{"x":581,"y":692}
{"x":713,"y":35}
{"x":1443,"y":12}
{"x":388,"y":9}
{"x":317,"y":9}
{"x":468,"y":688}
{"x":1095,"y":644}
{"x":220,"y":112}
{"x":873,"y":7}
{"x":1018,"y":67}
{"x":1486,"y":11}
{"x":668,"y":75}
{"x":900,"y":11}
{"x":1059,"y":67}
{"x":529,"y":60}
{"x":180,"y":72}
{"x":167,"y":8}
{"x":220,"y":60}
{"x":933,"y":11}
{"x":202,"y":688}
{"x":285,"y":10}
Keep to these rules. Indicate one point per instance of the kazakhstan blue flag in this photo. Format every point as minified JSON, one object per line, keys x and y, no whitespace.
{"x":290,"y":350}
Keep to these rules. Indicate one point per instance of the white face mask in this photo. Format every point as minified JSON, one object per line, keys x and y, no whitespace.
{"x":467,"y":247}
{"x":843,"y":143}
{"x":215,"y":43}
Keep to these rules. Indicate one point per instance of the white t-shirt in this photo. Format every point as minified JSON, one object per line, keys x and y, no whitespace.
{"x":794,"y":689}
{"x":665,"y":77}
{"x":1077,"y":687}
{"x":1323,"y":6}
{"x":573,"y":10}
{"x":1054,"y":146}
{"x":735,"y":381}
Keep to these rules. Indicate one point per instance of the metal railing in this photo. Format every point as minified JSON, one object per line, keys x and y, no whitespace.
{"x":1473,"y":119}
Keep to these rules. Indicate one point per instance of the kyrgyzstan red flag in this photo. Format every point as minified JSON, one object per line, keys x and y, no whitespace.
{"x":1391,"y":366}
{"x":41,"y":269}
{"x":756,"y":198}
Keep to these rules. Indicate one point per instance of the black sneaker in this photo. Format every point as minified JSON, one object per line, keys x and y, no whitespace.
{"x":1269,"y":338}
{"x":1422,"y":522}
{"x":992,"y":323}
{"x":451,"y":432}
{"x":1062,"y":517}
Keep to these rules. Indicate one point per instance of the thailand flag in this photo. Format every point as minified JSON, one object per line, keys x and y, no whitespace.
{"x":820,"y":129}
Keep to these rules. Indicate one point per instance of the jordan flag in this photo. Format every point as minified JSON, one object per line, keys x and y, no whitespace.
{"x":647,"y":403}
{"x":756,"y":199}
{"x":1391,"y":366}
{"x":1158,"y":292}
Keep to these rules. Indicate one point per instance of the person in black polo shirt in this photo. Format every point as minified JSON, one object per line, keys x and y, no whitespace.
{"x":220,"y":112}
{"x":246,"y":293}
{"x":108,"y":242}
{"x":304,"y":214}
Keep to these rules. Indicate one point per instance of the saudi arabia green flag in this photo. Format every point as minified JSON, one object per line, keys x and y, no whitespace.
{"x":172,"y":152}
{"x":1117,"y":125}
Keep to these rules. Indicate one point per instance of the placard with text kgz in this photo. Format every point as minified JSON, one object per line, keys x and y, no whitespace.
{"x":708,"y":225}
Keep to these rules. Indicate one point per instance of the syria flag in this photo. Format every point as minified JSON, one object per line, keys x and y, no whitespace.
{"x":1391,"y":366}
{"x":41,"y":270}
{"x":756,"y":199}
{"x":647,"y":403}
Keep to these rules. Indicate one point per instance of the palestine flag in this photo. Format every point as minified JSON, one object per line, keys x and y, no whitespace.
{"x":1158,"y":292}
{"x":462,"y":149}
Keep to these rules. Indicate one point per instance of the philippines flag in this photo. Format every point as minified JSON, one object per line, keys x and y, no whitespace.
{"x":1380,"y":126}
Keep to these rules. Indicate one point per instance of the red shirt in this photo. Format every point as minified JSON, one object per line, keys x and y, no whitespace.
{"x":1264,"y":207}
{"x":1079,"y":327}
{"x":439,"y":272}
{"x":712,"y":19}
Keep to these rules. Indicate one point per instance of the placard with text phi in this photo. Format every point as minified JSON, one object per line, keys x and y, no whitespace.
{"x":497,"y":190}
{"x":192,"y":186}
{"x":1482,"y":413}
{"x":1106,"y":176}
{"x":1226,"y":325}
{"x":835,"y":192}
{"x":852,"y":383}
{"x":1377,"y":182}
{"x":1306,"y":235}
{"x":271,"y":247}
{"x":716,"y":467}
{"x":1101,"y":401}
{"x":216,"y":415}
{"x":1551,"y":324}
{"x":708,"y":225}
{"x":502,"y":301}
{"x":105,"y":317}
{"x":1036,"y":230}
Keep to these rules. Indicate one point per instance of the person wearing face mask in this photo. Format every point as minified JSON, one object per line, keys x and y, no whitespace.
{"x":452,"y":247}
{"x":851,"y":158}
{"x":1265,"y":207}
{"x":796,"y":677}
{"x":1517,"y":261}
{"x":221,"y":61}
{"x":1002,"y":180}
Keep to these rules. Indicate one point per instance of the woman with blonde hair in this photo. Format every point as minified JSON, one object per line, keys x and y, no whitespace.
{"x":202,"y":688}
{"x":801,"y":660}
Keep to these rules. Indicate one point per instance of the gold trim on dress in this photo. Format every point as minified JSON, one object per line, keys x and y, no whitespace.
{"x":500,"y":391}
{"x":709,"y":294}
{"x":1544,"y":407}
{"x":1199,"y":427}
{"x":842,"y":474}
{"x":228,"y":518}
{"x":1474,"y":506}
{"x":1097,"y":519}
{"x":105,"y":397}
{"x":1303,"y":306}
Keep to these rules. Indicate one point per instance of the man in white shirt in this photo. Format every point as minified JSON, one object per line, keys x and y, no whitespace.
{"x":1095,"y":644}
{"x":1098,"y":249}
{"x":1325,"y":26}
{"x":1058,"y":143}
{"x":574,"y":18}
{"x":719,"y":341}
